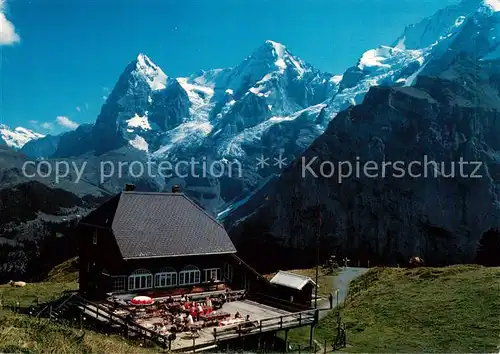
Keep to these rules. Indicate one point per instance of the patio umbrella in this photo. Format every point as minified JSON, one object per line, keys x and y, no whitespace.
{"x":142,"y":300}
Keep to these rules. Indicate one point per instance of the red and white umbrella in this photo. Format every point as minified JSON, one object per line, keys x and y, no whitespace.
{"x":142,"y":300}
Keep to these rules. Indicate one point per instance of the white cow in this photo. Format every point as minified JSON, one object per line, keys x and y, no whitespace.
{"x":19,"y":284}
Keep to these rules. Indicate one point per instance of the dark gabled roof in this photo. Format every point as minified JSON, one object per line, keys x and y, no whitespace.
{"x":148,"y":225}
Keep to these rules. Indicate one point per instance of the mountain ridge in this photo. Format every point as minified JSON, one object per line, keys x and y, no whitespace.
{"x":445,"y":117}
{"x":270,"y":103}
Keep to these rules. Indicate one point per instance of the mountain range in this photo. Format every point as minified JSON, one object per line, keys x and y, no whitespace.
{"x":447,"y":111}
{"x":274,"y":103}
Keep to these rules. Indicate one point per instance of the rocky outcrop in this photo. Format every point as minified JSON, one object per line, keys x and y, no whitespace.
{"x":75,"y":143}
{"x":42,"y":147}
{"x":170,"y":106}
{"x":248,"y":112}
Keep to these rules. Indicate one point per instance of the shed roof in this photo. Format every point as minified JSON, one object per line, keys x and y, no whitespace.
{"x":291,"y":280}
{"x":149,"y":225}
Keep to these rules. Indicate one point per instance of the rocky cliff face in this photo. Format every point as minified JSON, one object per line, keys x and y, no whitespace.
{"x":42,"y":147}
{"x":73,"y":143}
{"x":440,"y":215}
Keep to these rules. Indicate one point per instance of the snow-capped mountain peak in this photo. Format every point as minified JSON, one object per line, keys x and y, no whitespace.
{"x":493,"y":4}
{"x":269,"y":49}
{"x":469,"y":26}
{"x":154,"y":76}
{"x":442,"y":24}
{"x":278,"y":47}
{"x":18,"y":137}
{"x":277,"y":55}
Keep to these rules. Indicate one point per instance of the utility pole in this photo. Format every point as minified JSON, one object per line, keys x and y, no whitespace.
{"x":317,"y":257}
{"x":338,"y":308}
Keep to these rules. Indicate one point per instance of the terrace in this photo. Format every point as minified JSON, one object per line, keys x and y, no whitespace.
{"x":167,"y":323}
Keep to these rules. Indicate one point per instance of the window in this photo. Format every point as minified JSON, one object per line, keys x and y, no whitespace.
{"x":119,"y":283}
{"x":213,"y":273}
{"x":94,"y":237}
{"x":189,"y":275}
{"x":246,"y":283}
{"x":165,"y":278}
{"x":228,"y":271}
{"x":140,"y":279}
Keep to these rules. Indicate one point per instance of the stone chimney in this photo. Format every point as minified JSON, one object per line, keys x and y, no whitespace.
{"x":129,"y":187}
{"x":176,"y":188}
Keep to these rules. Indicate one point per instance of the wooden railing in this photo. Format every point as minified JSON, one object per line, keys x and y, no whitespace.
{"x":230,"y":295}
{"x":277,"y":302}
{"x":55,"y":303}
{"x":127,"y":325}
{"x":292,"y":320}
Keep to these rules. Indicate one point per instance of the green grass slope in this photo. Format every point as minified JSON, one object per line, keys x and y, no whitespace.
{"x":43,"y":292}
{"x":388,"y":310}
{"x":65,"y":272}
{"x":451,"y":309}
{"x":25,"y":334}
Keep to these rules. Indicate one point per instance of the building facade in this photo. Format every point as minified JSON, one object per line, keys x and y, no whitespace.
{"x":294,"y":288}
{"x":138,"y":242}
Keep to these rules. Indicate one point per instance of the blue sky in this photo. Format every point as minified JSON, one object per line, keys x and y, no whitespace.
{"x":62,"y":56}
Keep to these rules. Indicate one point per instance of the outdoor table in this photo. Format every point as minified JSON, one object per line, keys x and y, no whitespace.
{"x":155,"y":319}
{"x":164,"y":331}
{"x":120,"y":312}
{"x":234,"y":321}
{"x":140,"y":315}
{"x":216,"y":304}
{"x":215,"y":315}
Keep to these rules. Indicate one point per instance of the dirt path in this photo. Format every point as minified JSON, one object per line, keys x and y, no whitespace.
{"x":341,"y":282}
